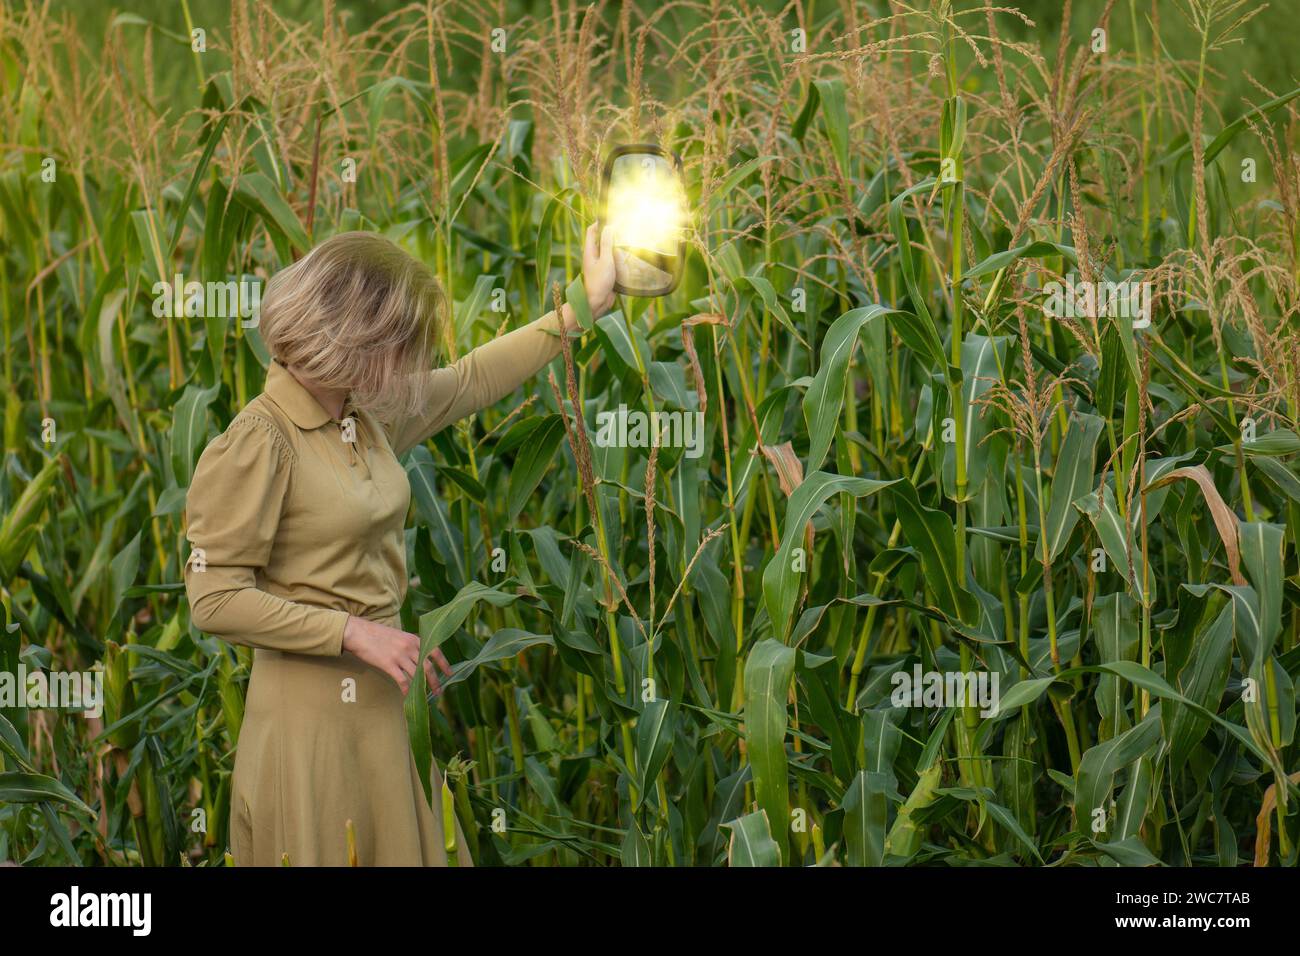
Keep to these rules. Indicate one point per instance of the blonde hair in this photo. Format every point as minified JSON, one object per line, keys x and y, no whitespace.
{"x":357,"y":313}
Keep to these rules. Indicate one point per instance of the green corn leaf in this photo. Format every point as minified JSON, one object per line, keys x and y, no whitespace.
{"x":781,"y":577}
{"x":470,"y":309}
{"x":825,"y":397}
{"x":502,"y":645}
{"x":1101,"y":763}
{"x":751,"y":842}
{"x":262,"y":195}
{"x":1073,"y":480}
{"x":576,"y":297}
{"x":654,"y":740}
{"x":931,"y":533}
{"x":534,"y":458}
{"x":768,"y":673}
{"x":1115,"y":624}
{"x":19,"y":787}
{"x":1262,"y":551}
{"x":866,"y":812}
{"x":734,"y":179}
{"x":835,"y":115}
{"x":190,"y":430}
{"x":542,"y":253}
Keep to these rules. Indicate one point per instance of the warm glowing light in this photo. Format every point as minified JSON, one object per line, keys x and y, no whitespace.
{"x":645,"y":205}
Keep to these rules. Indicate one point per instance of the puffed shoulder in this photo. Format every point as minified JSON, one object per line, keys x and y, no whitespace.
{"x":248,"y":438}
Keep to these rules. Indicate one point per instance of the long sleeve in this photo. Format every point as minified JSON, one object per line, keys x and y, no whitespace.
{"x":233,"y":509}
{"x":480,"y":378}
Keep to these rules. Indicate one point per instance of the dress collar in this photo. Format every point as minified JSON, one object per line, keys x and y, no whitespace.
{"x":294,"y":399}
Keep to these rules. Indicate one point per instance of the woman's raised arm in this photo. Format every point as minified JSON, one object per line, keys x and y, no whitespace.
{"x":494,"y":370}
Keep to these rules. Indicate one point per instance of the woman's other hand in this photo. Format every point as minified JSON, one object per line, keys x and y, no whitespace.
{"x":392,"y":651}
{"x":597,"y":274}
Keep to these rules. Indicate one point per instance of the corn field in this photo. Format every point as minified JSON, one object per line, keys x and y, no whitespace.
{"x":986,"y":552}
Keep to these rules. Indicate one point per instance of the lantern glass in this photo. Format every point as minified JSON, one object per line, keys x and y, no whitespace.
{"x":646,"y":205}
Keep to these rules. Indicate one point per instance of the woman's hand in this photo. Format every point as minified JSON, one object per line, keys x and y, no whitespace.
{"x":597,"y":275}
{"x":394,"y":652}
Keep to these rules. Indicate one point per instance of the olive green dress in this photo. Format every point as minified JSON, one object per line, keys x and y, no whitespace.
{"x":293,"y":528}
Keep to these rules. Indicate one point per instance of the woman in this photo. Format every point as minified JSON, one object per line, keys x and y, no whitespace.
{"x":295,"y":520}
